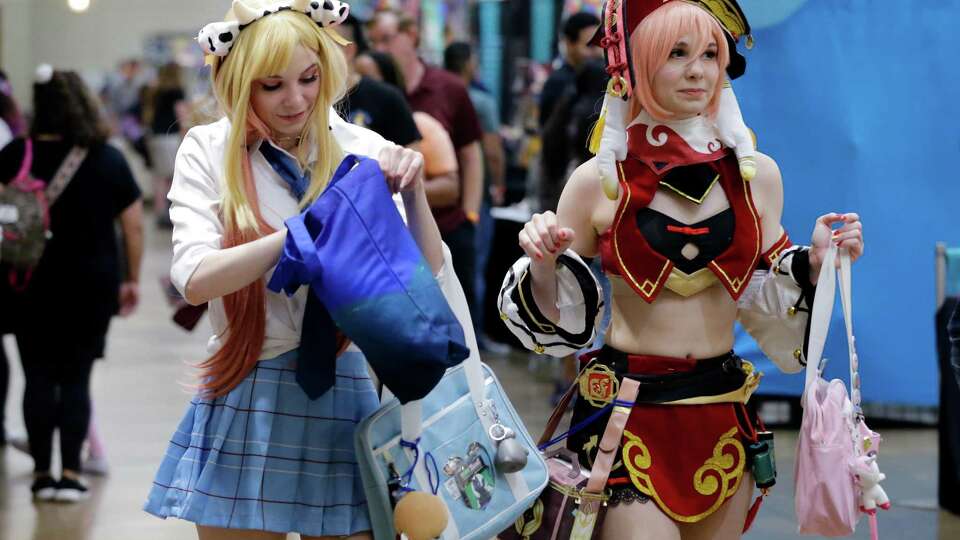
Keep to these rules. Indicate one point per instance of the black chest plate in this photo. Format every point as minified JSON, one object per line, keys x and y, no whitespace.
{"x":668,"y":237}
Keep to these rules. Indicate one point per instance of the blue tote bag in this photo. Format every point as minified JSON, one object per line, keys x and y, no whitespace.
{"x":353,"y":249}
{"x":447,"y":444}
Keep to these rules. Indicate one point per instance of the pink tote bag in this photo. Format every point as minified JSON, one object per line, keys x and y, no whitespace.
{"x":833,"y":435}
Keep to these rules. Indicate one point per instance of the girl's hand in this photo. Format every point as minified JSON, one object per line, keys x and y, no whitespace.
{"x":543,"y":240}
{"x":402,"y":167}
{"x":849,"y":236}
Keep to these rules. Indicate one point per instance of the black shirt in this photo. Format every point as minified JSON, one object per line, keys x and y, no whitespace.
{"x":75,"y":286}
{"x":560,"y":82}
{"x":165,"y":113}
{"x":382,"y":109}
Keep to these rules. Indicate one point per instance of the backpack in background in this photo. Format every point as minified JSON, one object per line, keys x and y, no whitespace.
{"x":25,"y":214}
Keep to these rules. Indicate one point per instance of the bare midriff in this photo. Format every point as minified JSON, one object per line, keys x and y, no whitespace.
{"x":699,"y":326}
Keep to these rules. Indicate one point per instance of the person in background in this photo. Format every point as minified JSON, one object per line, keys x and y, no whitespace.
{"x":382,"y":67}
{"x":443,"y":96}
{"x":575,"y":49}
{"x":459,"y":59}
{"x":76,"y":287}
{"x":123,"y":98}
{"x":566,"y":132}
{"x":370,"y":103}
{"x":11,"y":126}
{"x":11,"y":121}
{"x":164,"y":111}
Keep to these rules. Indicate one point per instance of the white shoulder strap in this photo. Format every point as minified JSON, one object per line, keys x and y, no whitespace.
{"x":65,"y":173}
{"x":820,"y":316}
{"x":847,"y":304}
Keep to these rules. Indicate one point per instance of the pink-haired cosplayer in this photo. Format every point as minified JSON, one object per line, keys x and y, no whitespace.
{"x":685,"y":215}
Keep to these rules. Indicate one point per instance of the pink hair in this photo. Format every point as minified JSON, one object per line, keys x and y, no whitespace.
{"x":655,"y":37}
{"x":246,"y":308}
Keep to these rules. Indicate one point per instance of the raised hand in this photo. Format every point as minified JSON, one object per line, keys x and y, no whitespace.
{"x":402,"y":167}
{"x":543,"y":240}
{"x":849,"y":237}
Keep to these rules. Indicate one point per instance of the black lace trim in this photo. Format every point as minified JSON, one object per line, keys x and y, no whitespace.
{"x":626,"y":495}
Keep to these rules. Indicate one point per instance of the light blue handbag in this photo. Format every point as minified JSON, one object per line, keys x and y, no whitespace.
{"x":450,"y":448}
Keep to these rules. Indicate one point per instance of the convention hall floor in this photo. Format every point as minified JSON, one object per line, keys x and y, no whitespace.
{"x":139,"y":401}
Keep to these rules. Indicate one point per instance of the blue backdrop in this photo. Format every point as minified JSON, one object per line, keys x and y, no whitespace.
{"x":859,"y":103}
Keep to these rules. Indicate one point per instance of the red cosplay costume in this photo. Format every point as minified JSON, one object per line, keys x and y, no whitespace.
{"x":685,"y":443}
{"x":654,"y":151}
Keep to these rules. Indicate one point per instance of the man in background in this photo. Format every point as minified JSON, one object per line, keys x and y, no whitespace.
{"x":443,"y":96}
{"x":459,"y":59}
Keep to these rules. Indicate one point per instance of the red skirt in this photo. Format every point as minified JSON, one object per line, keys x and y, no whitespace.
{"x":687,"y":458}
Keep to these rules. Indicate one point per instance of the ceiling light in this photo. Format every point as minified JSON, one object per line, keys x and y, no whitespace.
{"x":78,"y":5}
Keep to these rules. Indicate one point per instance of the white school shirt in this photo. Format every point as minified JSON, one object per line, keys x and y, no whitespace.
{"x":195,"y":197}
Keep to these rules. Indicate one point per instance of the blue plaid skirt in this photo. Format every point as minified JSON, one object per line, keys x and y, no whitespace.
{"x":265,"y":457}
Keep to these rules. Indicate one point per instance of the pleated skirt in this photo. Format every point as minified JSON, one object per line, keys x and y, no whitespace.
{"x":266,"y":457}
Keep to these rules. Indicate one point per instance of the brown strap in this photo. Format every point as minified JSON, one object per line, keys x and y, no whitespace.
{"x":65,"y":173}
{"x":558,"y":412}
{"x":612,"y":436}
{"x":561,"y":408}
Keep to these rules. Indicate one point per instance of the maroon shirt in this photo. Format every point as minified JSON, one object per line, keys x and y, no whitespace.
{"x":443,"y":96}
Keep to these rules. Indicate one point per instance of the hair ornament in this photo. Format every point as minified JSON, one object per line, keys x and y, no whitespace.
{"x":218,"y":38}
{"x":43,"y":74}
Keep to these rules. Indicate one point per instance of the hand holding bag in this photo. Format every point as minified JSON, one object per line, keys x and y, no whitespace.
{"x":836,"y":451}
{"x":353,"y":249}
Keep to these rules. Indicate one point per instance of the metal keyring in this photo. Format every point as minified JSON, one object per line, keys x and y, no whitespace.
{"x":497,"y":432}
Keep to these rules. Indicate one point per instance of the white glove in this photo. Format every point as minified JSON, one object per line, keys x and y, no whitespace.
{"x":613,"y":145}
{"x":733,"y":132}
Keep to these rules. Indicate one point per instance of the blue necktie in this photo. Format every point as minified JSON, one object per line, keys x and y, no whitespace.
{"x":317,"y":355}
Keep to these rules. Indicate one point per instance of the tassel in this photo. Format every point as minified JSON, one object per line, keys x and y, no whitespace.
{"x":752,"y":514}
{"x":593,"y":143}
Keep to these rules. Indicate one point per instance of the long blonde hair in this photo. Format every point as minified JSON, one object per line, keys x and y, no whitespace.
{"x":262,"y":49}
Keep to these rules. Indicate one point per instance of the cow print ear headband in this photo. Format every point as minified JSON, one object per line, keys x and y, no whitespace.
{"x":218,"y":38}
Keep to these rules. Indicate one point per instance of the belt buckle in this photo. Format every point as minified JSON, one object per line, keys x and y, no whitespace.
{"x":599,"y":385}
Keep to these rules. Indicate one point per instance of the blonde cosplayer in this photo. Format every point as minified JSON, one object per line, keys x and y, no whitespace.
{"x":264,"y":48}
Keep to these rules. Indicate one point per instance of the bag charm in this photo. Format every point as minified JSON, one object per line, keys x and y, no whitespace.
{"x":511,"y":455}
{"x":420,"y":516}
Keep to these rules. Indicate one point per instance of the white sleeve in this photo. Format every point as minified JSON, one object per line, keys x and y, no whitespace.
{"x":194,"y":210}
{"x":775,"y":309}
{"x":579,"y":299}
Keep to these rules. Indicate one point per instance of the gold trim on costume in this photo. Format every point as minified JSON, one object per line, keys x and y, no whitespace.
{"x":726,"y":467}
{"x":648,"y":287}
{"x":690,"y":284}
{"x":738,"y":282}
{"x":728,"y":16}
{"x":777,"y":249}
{"x":546,"y":328}
{"x":526,"y":528}
{"x":690,"y":197}
{"x":599,"y":385}
{"x":588,"y":447}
